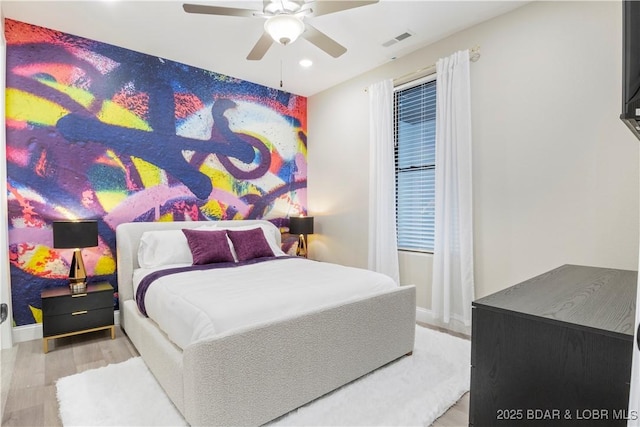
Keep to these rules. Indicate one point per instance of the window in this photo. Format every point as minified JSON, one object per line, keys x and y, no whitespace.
{"x":415,"y":157}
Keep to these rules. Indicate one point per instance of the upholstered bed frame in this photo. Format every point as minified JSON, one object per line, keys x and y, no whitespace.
{"x":254,"y":375}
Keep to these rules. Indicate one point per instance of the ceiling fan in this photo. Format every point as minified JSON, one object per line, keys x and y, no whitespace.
{"x":285,"y":22}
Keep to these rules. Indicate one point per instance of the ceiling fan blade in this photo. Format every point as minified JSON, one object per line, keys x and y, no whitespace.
{"x":325,"y":7}
{"x":260,"y":48}
{"x":323,"y":41}
{"x":216,"y":10}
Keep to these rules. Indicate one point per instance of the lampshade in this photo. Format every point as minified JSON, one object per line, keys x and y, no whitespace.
{"x":301,"y":225}
{"x":75,"y":234}
{"x":284,"y":29}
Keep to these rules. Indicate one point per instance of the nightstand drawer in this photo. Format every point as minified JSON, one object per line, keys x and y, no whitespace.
{"x":78,"y":320}
{"x":79,"y":302}
{"x":70,"y":303}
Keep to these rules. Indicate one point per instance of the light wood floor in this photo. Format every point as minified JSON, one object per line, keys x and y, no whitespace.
{"x":29,"y":376}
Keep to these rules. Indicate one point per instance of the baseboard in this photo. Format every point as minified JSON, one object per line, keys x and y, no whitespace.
{"x":34,"y":331}
{"x":456,"y":325}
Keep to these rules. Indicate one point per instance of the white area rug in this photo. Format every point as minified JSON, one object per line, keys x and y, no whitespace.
{"x":413,"y":391}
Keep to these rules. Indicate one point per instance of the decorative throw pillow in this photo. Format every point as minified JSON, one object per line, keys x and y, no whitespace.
{"x":268,"y":229}
{"x":208,"y":247}
{"x":249,"y":244}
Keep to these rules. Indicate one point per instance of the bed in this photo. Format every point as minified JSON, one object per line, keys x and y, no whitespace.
{"x":254,"y":372}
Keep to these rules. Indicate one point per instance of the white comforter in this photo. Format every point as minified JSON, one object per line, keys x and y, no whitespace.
{"x":197,"y":305}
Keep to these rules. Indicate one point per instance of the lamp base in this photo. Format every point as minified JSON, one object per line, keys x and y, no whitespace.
{"x":302,"y":246}
{"x":77,"y":273}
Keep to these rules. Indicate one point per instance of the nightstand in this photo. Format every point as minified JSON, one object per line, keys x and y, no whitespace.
{"x":65,"y":313}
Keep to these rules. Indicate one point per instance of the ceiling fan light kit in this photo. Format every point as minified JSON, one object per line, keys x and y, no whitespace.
{"x":284,"y":29}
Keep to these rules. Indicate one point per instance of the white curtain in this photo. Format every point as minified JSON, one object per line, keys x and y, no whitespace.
{"x":453,"y":283}
{"x":383,"y":246}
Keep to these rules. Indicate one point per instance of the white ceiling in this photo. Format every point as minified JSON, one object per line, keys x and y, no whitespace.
{"x":221,"y":43}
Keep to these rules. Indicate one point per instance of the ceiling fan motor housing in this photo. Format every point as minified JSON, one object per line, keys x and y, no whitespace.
{"x":276,"y":7}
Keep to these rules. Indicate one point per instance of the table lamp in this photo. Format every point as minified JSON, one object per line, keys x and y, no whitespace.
{"x":302,"y":226}
{"x":76,"y":235}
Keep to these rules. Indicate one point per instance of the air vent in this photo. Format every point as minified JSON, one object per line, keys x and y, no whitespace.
{"x":397,"y":38}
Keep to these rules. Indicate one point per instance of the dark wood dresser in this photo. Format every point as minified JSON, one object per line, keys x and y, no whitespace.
{"x":65,"y":313}
{"x":554,"y":350}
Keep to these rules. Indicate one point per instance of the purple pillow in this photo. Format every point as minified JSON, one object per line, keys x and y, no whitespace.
{"x":249,"y":244}
{"x":208,"y":246}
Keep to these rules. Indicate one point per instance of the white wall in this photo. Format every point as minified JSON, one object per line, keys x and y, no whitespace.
{"x":555,"y":171}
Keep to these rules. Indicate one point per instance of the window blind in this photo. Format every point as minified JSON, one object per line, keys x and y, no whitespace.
{"x":415,"y":161}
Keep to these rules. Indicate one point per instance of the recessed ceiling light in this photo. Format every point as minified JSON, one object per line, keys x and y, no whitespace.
{"x":306,"y":63}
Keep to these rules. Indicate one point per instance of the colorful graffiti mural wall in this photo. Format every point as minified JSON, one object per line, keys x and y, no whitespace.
{"x":95,"y":131}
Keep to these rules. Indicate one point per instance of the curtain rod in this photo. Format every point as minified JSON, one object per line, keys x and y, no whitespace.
{"x":474,"y":55}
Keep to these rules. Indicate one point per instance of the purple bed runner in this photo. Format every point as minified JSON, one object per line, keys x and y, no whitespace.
{"x":150,"y":278}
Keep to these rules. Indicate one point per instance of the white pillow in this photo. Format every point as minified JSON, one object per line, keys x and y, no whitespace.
{"x":267,"y":230}
{"x":209,"y":226}
{"x":163,"y":247}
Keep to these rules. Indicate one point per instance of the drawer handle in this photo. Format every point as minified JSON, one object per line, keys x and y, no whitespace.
{"x":75,"y":313}
{"x":78,"y":295}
